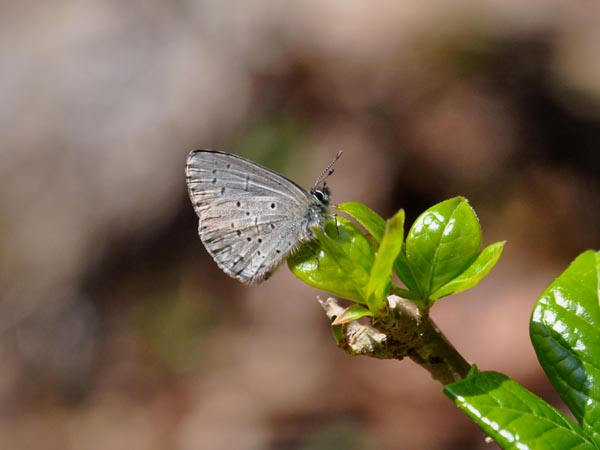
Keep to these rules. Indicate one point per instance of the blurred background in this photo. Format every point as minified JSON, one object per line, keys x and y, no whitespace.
{"x":117,"y":329}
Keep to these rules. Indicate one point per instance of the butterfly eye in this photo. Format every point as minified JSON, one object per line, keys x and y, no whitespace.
{"x":321,"y":194}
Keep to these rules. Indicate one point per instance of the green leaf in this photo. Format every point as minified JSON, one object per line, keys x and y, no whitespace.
{"x":407,"y":276}
{"x":338,"y":332}
{"x":338,"y":261}
{"x":513,"y":416}
{"x":351,"y":314}
{"x":441,"y":244}
{"x":375,"y":225}
{"x":380,"y":278}
{"x":486,"y":260}
{"x":565,"y":331}
{"x":364,"y":215}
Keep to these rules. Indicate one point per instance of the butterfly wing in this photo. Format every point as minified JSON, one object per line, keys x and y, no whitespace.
{"x":251,"y":218}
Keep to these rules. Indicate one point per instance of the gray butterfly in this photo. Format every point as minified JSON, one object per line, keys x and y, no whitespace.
{"x":252,"y":218}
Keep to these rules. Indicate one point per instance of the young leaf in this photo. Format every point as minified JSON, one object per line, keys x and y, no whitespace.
{"x":441,"y":244}
{"x":565,"y":331}
{"x":486,"y":260}
{"x":338,"y":261}
{"x":380,"y":278}
{"x":513,"y":416}
{"x":368,"y":218}
{"x":405,"y":273}
{"x":353,"y":312}
{"x":375,"y":225}
{"x":338,"y":332}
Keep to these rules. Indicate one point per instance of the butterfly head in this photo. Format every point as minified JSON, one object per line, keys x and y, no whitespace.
{"x":321,"y":194}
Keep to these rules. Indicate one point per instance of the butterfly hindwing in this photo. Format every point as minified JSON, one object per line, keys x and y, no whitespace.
{"x":245,"y":246}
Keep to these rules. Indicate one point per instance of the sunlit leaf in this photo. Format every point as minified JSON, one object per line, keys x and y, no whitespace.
{"x":486,"y":260}
{"x":368,"y":218}
{"x":565,"y":331}
{"x":514,"y":417}
{"x":441,"y":244}
{"x":338,"y":261}
{"x":352,"y":313}
{"x":380,"y":278}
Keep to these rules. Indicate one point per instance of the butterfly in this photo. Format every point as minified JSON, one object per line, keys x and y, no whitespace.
{"x":252,"y":218}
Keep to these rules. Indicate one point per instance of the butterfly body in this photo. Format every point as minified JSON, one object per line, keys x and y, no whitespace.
{"x":250,"y":218}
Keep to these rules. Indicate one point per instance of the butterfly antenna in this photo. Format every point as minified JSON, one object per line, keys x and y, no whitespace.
{"x":328,"y":170}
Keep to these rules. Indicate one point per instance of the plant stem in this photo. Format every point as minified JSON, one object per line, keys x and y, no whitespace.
{"x":403,"y":331}
{"x":438,"y":356}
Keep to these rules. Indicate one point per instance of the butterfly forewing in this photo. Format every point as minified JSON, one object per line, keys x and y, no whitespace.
{"x":251,"y":218}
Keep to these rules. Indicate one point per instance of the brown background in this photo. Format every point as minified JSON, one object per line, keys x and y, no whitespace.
{"x":119,"y":332}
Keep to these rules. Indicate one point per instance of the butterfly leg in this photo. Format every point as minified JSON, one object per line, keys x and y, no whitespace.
{"x":337,"y":228}
{"x":315,"y":251}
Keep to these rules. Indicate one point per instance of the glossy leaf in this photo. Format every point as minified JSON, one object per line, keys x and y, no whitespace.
{"x":353,"y":312}
{"x":406,"y":274}
{"x":380,"y":279}
{"x":375,"y":225}
{"x":486,"y":260}
{"x":441,"y":244}
{"x":565,"y":331}
{"x":338,"y":261}
{"x":364,"y":215}
{"x":514,"y":417}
